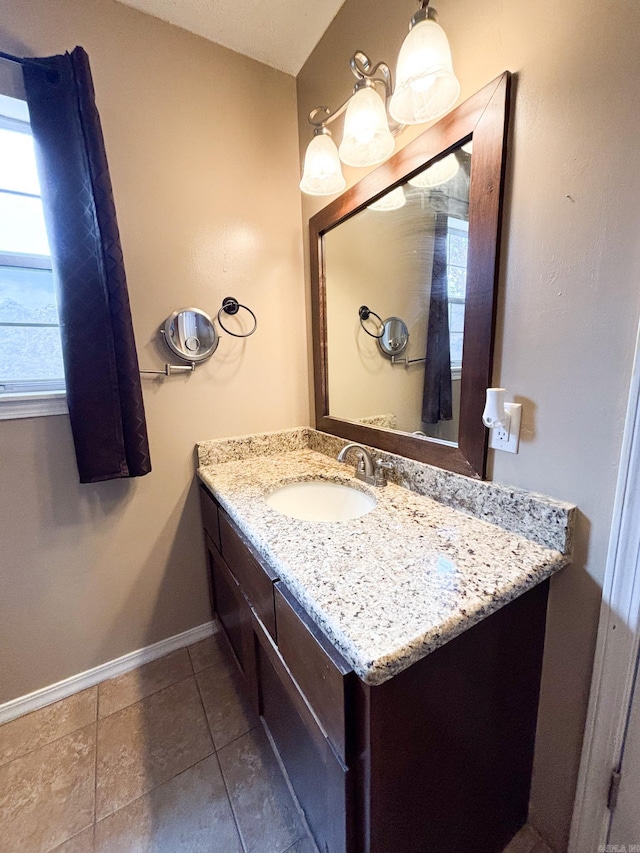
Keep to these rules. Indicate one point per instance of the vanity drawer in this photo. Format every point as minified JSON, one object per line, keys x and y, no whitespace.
{"x":322,"y":783}
{"x":320,"y":671}
{"x":209,"y":511}
{"x":255,"y":581}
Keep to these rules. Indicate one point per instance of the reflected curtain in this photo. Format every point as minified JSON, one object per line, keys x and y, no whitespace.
{"x":101,"y":364}
{"x":437,"y":397}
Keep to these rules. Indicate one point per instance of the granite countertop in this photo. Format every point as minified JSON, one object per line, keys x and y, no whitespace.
{"x":391,"y":586}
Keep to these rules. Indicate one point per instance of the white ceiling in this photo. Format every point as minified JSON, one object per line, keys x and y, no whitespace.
{"x":280,"y":33}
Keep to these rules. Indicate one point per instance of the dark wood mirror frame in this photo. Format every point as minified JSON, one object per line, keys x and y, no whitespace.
{"x":482,"y":118}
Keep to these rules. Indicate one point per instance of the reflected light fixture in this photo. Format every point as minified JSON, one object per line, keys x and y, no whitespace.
{"x":437,"y":174}
{"x":393,"y":200}
{"x":426,"y":89}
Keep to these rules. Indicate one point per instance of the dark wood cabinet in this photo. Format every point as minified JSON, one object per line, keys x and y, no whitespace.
{"x":318,"y":776}
{"x":232,"y":609}
{"x":436,"y":758}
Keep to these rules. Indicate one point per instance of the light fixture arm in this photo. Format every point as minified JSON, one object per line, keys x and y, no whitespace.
{"x":424,"y":12}
{"x":361,"y":69}
{"x":366,"y":75}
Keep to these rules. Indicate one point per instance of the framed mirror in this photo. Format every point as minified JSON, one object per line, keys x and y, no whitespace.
{"x":415,"y":242}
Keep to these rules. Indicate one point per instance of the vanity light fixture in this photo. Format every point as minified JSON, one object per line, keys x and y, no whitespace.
{"x":427,"y":88}
{"x":322,"y":171}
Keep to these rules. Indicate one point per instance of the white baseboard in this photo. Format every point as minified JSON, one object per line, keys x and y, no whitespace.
{"x":62,"y":689}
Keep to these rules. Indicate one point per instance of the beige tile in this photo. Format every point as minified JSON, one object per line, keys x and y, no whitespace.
{"x":148,"y":743}
{"x":189,"y":814}
{"x":541,"y":847}
{"x":125,"y":690}
{"x":228,"y":710}
{"x":82,"y":843}
{"x":210,"y":651}
{"x":303,"y":845}
{"x":47,"y":724}
{"x":47,"y":796}
{"x":523,"y":842}
{"x":267,"y":817}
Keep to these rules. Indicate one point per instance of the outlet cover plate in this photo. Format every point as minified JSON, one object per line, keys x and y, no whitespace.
{"x":500,"y":439}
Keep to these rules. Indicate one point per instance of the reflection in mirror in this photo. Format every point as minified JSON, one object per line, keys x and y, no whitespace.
{"x":190,"y":334}
{"x":394,"y":337}
{"x":406,"y":256}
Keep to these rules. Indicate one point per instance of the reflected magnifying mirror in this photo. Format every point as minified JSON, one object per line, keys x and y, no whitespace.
{"x":394,"y":338}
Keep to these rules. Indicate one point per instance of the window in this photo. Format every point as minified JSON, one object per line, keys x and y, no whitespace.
{"x":30,"y":351}
{"x":457,"y":245}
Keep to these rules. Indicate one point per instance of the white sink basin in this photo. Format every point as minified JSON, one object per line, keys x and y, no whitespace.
{"x":319,"y":500}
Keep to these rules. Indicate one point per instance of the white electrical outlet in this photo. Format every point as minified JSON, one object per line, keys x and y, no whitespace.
{"x":508,"y":439}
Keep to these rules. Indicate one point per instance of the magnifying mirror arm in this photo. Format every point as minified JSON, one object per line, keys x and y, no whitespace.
{"x":407,"y":361}
{"x":366,"y":75}
{"x":170,"y":369}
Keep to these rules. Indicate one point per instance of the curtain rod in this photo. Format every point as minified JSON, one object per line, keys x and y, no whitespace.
{"x":19,"y":60}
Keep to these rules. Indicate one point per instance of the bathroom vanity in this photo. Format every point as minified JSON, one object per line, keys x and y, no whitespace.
{"x":394,"y":658}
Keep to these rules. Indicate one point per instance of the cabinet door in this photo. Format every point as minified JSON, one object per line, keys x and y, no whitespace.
{"x":232,"y":610}
{"x":321,"y":782}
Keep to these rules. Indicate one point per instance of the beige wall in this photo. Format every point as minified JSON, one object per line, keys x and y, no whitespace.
{"x":569,"y":295}
{"x":202,"y":145}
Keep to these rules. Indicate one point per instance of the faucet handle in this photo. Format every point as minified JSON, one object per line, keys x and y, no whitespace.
{"x":381,"y":471}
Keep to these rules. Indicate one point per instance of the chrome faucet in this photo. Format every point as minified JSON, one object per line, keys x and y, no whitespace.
{"x":367,"y":470}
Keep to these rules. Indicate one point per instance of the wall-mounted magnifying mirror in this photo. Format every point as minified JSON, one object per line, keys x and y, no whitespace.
{"x":190,"y":334}
{"x":417,"y":237}
{"x":392,"y":334}
{"x":394,"y":338}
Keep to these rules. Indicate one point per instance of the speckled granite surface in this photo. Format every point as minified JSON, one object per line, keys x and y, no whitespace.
{"x":387,"y":588}
{"x":389,"y":421}
{"x":537,"y":517}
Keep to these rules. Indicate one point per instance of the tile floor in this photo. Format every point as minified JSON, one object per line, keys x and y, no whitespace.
{"x":165,"y":759}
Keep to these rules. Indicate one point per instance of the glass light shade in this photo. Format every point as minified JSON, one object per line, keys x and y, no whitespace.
{"x":391,"y":201}
{"x":468,"y":147}
{"x":438,"y":173}
{"x":366,"y":140}
{"x":426,"y":86}
{"x":322,"y":174}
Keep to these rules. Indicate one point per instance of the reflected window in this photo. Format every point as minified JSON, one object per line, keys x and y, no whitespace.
{"x":457,"y":246}
{"x":30,"y":349}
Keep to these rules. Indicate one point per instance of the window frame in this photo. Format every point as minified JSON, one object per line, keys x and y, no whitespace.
{"x":24,"y":402}
{"x":454,"y":228}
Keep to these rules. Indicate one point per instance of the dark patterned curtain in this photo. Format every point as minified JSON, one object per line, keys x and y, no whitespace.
{"x":100,"y":359}
{"x":437,"y":398}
